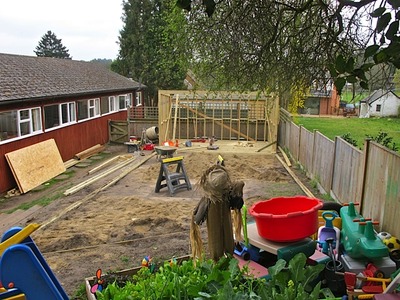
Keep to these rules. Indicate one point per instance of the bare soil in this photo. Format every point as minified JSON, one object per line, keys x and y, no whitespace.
{"x":117,"y":227}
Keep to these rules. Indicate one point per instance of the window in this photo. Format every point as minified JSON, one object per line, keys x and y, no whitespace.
{"x":94,"y":107}
{"x":19,"y":123}
{"x":112,"y":104}
{"x":124,"y":101}
{"x":59,"y":114}
{"x":88,"y":108}
{"x":378,"y":107}
{"x":29,"y":121}
{"x":68,"y":113}
{"x":138,"y":98}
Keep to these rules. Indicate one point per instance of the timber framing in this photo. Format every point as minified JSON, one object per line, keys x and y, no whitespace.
{"x":249,"y":116}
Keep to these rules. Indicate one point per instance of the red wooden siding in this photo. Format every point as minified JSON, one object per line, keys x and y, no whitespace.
{"x":70,"y":140}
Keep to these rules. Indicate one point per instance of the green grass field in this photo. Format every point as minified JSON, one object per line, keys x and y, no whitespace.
{"x":350,"y":98}
{"x":358,"y":128}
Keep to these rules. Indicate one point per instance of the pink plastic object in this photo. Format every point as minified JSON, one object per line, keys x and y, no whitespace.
{"x":286,"y":219}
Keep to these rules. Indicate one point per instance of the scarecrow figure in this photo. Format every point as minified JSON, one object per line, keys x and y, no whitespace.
{"x":221,"y":196}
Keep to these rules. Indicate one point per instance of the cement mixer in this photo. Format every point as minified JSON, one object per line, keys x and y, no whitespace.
{"x":152,"y":133}
{"x":149,"y":135}
{"x":148,"y":138}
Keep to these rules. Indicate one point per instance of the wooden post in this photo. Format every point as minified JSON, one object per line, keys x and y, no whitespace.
{"x":175,"y":117}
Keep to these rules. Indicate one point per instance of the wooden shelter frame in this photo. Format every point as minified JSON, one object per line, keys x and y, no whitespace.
{"x":248,"y":116}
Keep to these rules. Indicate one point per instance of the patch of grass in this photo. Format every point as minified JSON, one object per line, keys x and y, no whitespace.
{"x":358,"y":128}
{"x":125,"y":259}
{"x":314,"y":183}
{"x":347,"y":96}
{"x":326,"y":197}
{"x":80,"y":293}
{"x":43,"y":201}
{"x":55,"y":180}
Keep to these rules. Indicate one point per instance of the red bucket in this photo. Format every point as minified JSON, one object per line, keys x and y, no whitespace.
{"x":286,"y":219}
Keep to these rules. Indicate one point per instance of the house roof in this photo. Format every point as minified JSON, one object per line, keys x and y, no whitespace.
{"x":29,"y":77}
{"x":376,"y":95}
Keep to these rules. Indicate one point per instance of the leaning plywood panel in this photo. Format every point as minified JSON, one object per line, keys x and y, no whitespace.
{"x":35,"y":164}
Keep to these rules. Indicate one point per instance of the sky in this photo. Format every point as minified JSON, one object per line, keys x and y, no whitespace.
{"x":89,"y":29}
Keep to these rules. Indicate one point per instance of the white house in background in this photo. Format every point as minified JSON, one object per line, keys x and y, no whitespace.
{"x":381,"y":103}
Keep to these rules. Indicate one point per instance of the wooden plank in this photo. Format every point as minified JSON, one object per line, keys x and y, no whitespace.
{"x":298,"y":181}
{"x":104,"y":164}
{"x":175,"y":117}
{"x":268,"y":145}
{"x":35,"y":164}
{"x":89,"y":152}
{"x":287,"y":160}
{"x":93,"y":179}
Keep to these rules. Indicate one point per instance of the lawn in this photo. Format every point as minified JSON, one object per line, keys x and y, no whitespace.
{"x":347,"y":96}
{"x":358,"y":128}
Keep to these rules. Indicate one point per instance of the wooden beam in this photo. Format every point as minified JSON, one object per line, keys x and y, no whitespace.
{"x":301,"y":185}
{"x":175,"y":117}
{"x":93,"y":179}
{"x":95,"y":169}
{"x":287,"y":160}
{"x":218,"y":122}
{"x":268,"y":145}
{"x":89,"y":152}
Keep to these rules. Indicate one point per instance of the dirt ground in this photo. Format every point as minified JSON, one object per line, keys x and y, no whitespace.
{"x":117,"y":227}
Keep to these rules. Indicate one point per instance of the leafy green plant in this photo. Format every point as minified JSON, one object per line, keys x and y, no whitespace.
{"x":385,"y":140}
{"x":348,"y":138}
{"x":206,"y":280}
{"x":80,"y":293}
{"x":296,"y":281}
{"x":221,"y":280}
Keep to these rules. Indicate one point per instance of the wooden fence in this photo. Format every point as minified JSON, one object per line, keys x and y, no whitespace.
{"x":227,"y":116}
{"x":370,"y":177}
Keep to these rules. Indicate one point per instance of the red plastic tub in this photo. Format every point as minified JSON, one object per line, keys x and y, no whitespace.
{"x":286,"y":219}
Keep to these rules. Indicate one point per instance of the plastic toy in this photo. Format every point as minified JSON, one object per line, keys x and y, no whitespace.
{"x":384,"y":235}
{"x":242,"y":249}
{"x":358,"y":236}
{"x":328,"y":231}
{"x":366,"y":291}
{"x":98,"y":286}
{"x":20,"y":256}
{"x":392,"y":243}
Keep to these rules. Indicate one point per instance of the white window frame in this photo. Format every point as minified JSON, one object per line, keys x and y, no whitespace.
{"x":112,"y":104}
{"x":93,"y":108}
{"x":71,"y":113}
{"x":127,"y":101}
{"x":34,"y":127}
{"x":138,"y":98}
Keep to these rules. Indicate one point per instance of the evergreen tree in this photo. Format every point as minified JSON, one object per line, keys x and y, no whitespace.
{"x":51,"y":46}
{"x":150,"y":48}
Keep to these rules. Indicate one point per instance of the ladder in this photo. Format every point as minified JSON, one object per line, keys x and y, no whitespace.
{"x":174,"y":180}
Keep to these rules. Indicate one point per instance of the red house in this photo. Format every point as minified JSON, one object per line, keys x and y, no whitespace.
{"x":69,"y":101}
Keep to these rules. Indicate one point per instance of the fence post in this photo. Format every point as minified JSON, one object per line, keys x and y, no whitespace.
{"x":334,"y":165}
{"x":299,"y":144}
{"x":365,"y":163}
{"x":313,"y":153}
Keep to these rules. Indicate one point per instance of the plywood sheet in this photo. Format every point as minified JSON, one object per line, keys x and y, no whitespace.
{"x":35,"y":164}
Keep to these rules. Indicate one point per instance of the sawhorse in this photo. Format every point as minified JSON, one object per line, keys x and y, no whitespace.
{"x":173,"y":180}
